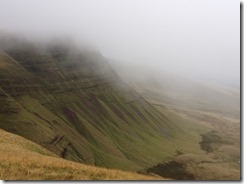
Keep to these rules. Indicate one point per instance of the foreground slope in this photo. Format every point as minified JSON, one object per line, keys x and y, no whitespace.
{"x":34,"y":162}
{"x":71,"y":102}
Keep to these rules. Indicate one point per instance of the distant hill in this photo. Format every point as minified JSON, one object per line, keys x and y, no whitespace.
{"x":180,"y":91}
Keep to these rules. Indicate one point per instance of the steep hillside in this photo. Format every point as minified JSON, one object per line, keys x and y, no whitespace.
{"x":36,"y":163}
{"x":71,"y":102}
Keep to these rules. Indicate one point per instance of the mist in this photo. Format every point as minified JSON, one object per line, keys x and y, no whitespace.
{"x":197,"y":39}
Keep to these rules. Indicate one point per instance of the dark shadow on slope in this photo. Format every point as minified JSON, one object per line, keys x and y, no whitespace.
{"x":172,"y":169}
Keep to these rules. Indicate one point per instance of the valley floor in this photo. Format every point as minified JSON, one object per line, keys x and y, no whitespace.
{"x":221,"y":160}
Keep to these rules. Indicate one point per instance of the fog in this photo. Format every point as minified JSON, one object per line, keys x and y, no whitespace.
{"x":198,"y":39}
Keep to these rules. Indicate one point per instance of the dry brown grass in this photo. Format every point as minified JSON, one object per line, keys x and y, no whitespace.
{"x":21,"y":159}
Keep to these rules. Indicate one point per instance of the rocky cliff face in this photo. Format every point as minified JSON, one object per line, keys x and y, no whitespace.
{"x":74,"y":104}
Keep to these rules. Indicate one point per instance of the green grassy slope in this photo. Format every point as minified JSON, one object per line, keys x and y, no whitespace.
{"x":73,"y":103}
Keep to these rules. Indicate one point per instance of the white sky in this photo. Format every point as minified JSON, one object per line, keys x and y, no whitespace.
{"x":197,"y":38}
